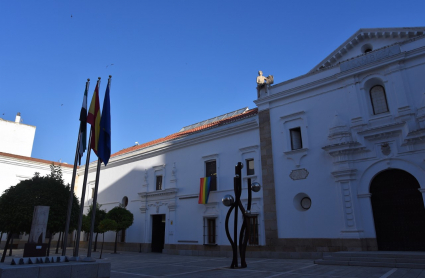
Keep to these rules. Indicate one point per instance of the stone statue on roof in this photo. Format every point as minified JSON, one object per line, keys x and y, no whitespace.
{"x":262,"y":81}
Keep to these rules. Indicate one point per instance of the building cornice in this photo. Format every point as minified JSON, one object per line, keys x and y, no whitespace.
{"x":32,"y":164}
{"x":178,"y":143}
{"x":170,"y":192}
{"x":338,"y":76}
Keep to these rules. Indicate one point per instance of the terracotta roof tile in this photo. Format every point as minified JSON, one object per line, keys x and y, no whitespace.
{"x":36,"y":159}
{"x":247,"y":114}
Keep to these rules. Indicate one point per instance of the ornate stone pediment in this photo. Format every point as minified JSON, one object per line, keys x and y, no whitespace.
{"x":364,"y":40}
{"x":344,"y":149}
{"x":211,"y":209}
{"x":383,"y":132}
{"x":344,"y":174}
{"x":415,"y":137}
{"x":159,"y":194}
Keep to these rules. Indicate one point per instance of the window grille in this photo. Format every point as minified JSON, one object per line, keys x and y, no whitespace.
{"x":296,"y":140}
{"x":210,"y":235}
{"x":158,"y":182}
{"x":253,"y":230}
{"x":378,"y":99}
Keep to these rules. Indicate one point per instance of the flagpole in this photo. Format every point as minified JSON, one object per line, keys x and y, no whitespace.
{"x":83,"y":193}
{"x":93,"y":215}
{"x":71,"y":195}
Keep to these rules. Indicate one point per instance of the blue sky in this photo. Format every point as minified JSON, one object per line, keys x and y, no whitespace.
{"x":175,"y":62}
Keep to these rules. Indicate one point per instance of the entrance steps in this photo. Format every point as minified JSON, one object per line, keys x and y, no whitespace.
{"x":393,"y":259}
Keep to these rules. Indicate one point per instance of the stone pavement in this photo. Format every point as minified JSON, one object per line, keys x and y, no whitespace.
{"x":133,"y":265}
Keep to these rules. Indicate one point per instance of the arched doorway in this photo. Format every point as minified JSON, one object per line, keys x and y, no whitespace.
{"x":398,"y":211}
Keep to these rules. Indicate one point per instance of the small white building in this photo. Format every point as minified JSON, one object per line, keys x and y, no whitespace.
{"x":16,"y":137}
{"x":16,"y":163}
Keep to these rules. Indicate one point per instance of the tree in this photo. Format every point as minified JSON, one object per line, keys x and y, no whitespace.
{"x":106,"y":225}
{"x":17,"y":204}
{"x":100,"y":215}
{"x":124,"y":219}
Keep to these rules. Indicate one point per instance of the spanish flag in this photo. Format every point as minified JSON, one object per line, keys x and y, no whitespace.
{"x":93,"y":118}
{"x":204,"y":190}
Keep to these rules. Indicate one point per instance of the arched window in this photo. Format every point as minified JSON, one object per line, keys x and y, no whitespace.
{"x":378,"y":99}
{"x":124,"y":202}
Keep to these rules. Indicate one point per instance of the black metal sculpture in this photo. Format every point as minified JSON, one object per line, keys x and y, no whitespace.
{"x":235,"y":203}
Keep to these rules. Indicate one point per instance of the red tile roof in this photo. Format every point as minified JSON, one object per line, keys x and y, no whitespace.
{"x":36,"y":159}
{"x":247,"y":114}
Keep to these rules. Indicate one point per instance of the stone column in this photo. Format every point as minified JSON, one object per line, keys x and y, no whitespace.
{"x":171,"y":222}
{"x":345,"y":180}
{"x":269,"y":196}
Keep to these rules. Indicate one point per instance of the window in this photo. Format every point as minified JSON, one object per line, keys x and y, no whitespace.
{"x":92,"y":193}
{"x":378,"y":99}
{"x":250,"y":167}
{"x":367,"y":48}
{"x":158,"y":182}
{"x":211,"y":171}
{"x":209,"y":231}
{"x":296,"y":140}
{"x":253,"y":230}
{"x":306,"y":203}
{"x":124,"y":202}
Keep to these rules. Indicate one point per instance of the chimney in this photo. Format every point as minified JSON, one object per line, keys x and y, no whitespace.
{"x":18,"y":118}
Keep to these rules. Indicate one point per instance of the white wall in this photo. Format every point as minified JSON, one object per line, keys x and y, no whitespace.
{"x":125,"y":176}
{"x":338,"y":182}
{"x":16,"y":138}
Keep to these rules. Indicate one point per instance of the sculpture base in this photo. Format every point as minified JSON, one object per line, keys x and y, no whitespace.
{"x":35,"y":250}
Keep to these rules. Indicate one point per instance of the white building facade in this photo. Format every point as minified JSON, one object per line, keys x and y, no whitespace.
{"x":339,"y":153}
{"x":348,"y":147}
{"x":159,"y":183}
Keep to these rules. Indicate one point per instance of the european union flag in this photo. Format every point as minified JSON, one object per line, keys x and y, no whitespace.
{"x":104,"y":145}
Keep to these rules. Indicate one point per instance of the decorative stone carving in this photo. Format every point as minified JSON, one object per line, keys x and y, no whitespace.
{"x":145,"y":178}
{"x":156,"y":205}
{"x":349,"y":215}
{"x":345,"y":174}
{"x":145,"y":181}
{"x":172,"y":206}
{"x":173,"y":171}
{"x":415,"y":137}
{"x":385,"y":148}
{"x":173,"y":174}
{"x":296,"y":155}
{"x":339,"y":132}
{"x":383,"y":132}
{"x":369,"y":58}
{"x":143,"y":209}
{"x":211,"y":209}
{"x":420,"y":115}
{"x":298,"y":174}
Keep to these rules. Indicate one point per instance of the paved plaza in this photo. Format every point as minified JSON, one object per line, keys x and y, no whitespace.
{"x":133,"y":265}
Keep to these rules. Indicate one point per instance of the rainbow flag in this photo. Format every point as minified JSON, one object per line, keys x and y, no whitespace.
{"x":204,"y":190}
